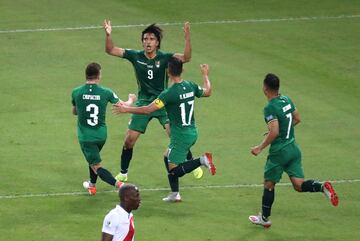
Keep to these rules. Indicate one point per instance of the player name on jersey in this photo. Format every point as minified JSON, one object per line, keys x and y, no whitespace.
{"x":186,"y":95}
{"x":91,"y":97}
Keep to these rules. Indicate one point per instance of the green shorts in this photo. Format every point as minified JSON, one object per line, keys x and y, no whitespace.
{"x":287,"y":159}
{"x":91,"y":151}
{"x":179,"y":147}
{"x":140,"y":122}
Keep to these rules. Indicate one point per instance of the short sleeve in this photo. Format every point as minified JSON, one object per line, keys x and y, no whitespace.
{"x":292,"y":105}
{"x":164,"y":97}
{"x":269,"y":114}
{"x":130,"y":55}
{"x":73,"y":98}
{"x":198,"y":90}
{"x":113,"y":98}
{"x":109,"y":224}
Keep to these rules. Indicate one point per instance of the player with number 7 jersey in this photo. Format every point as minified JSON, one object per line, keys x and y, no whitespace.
{"x":281,"y":109}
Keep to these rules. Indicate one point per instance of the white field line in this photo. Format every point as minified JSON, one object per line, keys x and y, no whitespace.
{"x":261,"y":20}
{"x":155,"y":189}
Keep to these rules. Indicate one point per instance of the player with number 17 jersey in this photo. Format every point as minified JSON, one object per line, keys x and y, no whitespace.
{"x":90,"y":101}
{"x":179,"y":102}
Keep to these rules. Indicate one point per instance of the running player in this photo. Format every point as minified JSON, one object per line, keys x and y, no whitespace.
{"x":284,"y":155}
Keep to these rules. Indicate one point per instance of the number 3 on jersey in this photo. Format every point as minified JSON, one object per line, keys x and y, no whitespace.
{"x":94,"y":112}
{"x":187,"y":121}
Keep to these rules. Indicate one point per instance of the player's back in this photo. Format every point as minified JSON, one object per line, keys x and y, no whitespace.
{"x":91,"y":101}
{"x":281,"y":108}
{"x":179,"y":103}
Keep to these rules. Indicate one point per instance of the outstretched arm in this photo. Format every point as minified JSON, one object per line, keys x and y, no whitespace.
{"x":206,"y":82}
{"x":186,"y":56}
{"x":131,"y":99}
{"x":269,"y":138}
{"x":109,"y":45}
{"x":144,"y":110}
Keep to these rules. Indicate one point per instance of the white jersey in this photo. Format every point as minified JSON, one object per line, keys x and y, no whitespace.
{"x":120,"y":224}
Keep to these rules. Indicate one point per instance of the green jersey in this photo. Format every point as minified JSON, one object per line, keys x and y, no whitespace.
{"x":179,"y":103}
{"x":150,"y":74}
{"x":281,"y":108}
{"x":90,"y":101}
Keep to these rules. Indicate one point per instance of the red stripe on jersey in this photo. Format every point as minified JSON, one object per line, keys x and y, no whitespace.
{"x":130,"y":235}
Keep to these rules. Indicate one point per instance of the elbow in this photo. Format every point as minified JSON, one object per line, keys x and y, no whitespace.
{"x":208,"y":94}
{"x":187,"y":59}
{"x":296,"y":122}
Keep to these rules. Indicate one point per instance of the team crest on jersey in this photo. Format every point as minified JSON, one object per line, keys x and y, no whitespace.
{"x":157,"y":64}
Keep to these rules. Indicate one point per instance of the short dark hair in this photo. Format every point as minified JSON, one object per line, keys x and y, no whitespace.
{"x":175,"y":66}
{"x":125,"y":189}
{"x":92,"y":71}
{"x":156,"y":30}
{"x":272,"y":81}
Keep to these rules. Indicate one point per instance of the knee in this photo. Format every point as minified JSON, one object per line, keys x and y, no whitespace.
{"x":129,"y":142}
{"x":269,"y":185}
{"x":95,"y":167}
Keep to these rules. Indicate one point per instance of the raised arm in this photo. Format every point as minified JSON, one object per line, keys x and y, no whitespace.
{"x":206,"y":82}
{"x":109,"y":45}
{"x":186,"y":56}
{"x":269,"y":138}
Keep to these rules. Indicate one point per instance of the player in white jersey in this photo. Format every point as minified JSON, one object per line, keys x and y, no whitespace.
{"x":118,"y":224}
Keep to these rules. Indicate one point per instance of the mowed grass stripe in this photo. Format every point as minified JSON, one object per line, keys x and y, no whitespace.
{"x":30,"y":195}
{"x":261,"y":20}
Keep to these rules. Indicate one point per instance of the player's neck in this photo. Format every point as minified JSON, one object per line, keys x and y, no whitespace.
{"x":92,"y":82}
{"x":127,"y":209}
{"x":272,"y":95}
{"x":150,"y":55}
{"x":176,"y":79}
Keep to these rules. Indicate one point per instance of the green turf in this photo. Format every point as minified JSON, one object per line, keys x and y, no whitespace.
{"x":317,"y":61}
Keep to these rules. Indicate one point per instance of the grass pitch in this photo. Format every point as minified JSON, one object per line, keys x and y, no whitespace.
{"x":312,"y":46}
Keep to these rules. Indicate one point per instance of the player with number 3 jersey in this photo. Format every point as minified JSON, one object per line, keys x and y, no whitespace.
{"x":89,"y":103}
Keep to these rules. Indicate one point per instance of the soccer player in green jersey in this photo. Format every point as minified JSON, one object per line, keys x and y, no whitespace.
{"x":284,"y":154}
{"x":150,"y":70}
{"x":178,"y":100}
{"x":89,"y":103}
